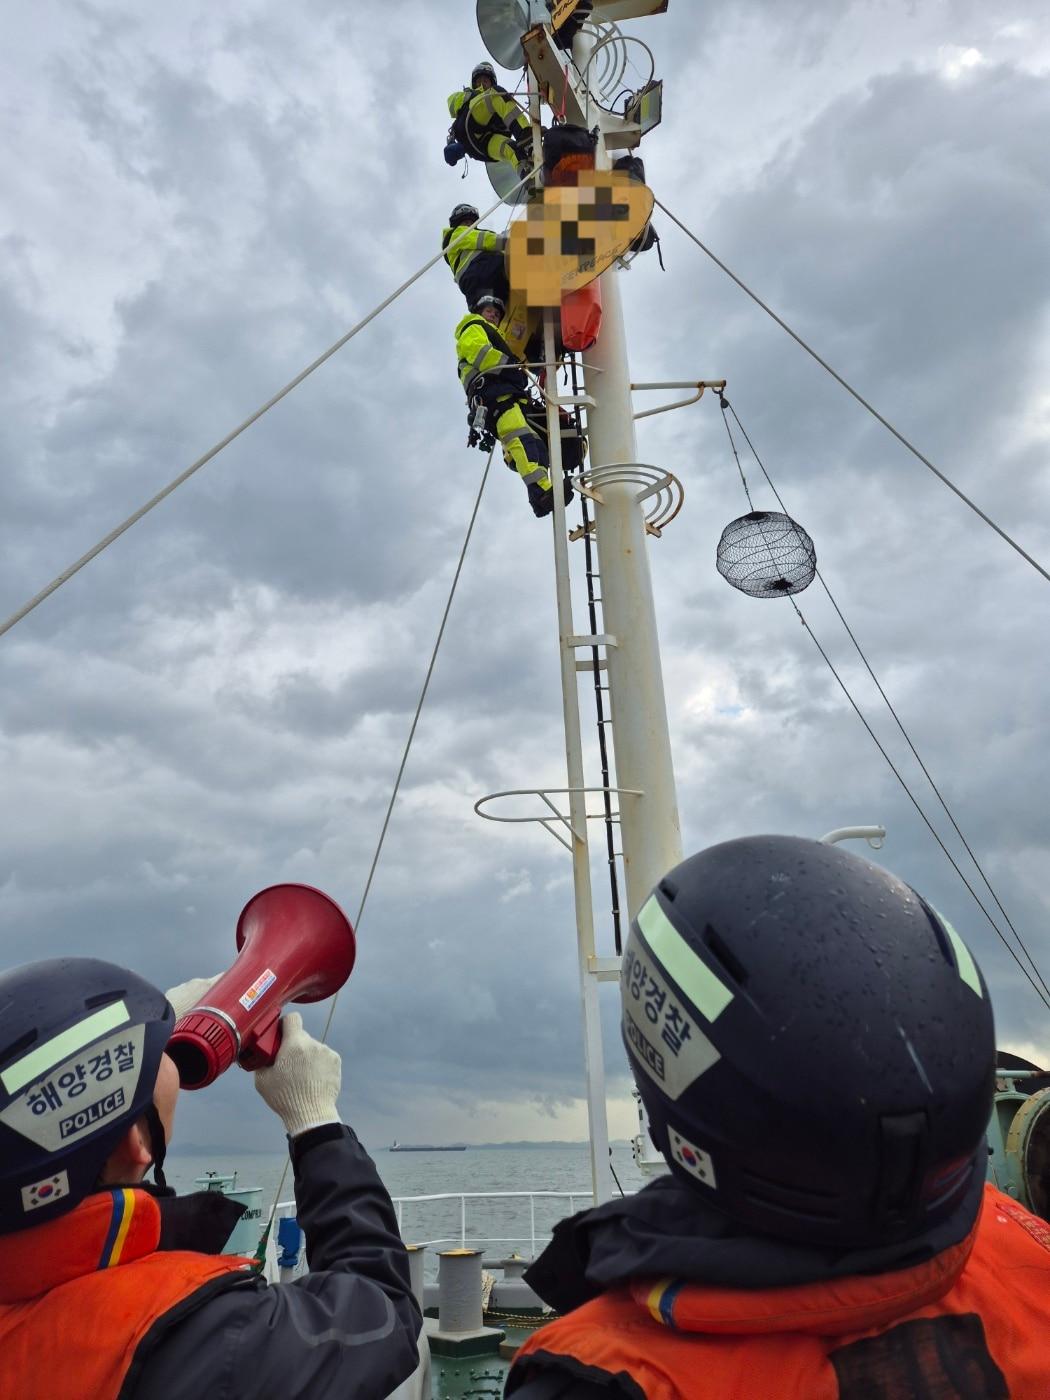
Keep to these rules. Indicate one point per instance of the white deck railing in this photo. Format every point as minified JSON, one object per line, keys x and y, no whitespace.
{"x":462,"y":1236}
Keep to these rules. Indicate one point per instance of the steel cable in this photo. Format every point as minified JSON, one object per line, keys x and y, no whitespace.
{"x":915,"y":803}
{"x":889,"y":705}
{"x":400,"y":773}
{"x":1042,"y":991}
{"x":133,"y":519}
{"x":859,"y":397}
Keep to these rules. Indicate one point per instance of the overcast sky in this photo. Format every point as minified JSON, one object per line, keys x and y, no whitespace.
{"x":197,"y":200}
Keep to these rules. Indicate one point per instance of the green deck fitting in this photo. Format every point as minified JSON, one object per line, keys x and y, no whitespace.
{"x":467,"y":1379}
{"x":483,"y":1342}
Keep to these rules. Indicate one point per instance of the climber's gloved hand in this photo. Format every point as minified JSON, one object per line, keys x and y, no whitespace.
{"x":187,"y":994}
{"x":302,"y":1084}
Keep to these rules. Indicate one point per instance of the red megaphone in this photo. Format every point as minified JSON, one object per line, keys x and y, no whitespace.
{"x":294,"y":944}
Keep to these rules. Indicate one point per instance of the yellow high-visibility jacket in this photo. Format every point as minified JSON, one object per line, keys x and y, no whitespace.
{"x":464,"y":246}
{"x":480,"y":112}
{"x":482,"y":352}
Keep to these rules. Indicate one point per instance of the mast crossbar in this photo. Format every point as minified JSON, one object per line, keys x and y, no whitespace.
{"x":564,"y":818}
{"x":698,"y":384}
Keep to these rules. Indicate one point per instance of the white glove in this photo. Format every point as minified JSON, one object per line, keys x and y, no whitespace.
{"x":302,"y":1084}
{"x":187,"y":994}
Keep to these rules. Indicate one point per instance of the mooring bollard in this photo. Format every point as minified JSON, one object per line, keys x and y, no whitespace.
{"x":459,"y":1290}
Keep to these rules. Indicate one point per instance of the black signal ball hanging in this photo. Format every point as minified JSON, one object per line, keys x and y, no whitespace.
{"x":766,"y":554}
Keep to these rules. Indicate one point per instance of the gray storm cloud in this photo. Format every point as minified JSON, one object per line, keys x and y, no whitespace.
{"x":196,"y":204}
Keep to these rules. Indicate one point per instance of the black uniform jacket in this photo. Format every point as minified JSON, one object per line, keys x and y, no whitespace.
{"x":344,"y":1331}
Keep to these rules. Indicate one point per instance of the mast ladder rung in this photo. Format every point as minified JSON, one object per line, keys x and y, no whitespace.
{"x":591,"y":639}
{"x":572,"y":400}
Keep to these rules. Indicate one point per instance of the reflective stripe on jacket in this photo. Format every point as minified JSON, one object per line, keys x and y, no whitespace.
{"x":481,"y":350}
{"x":492,"y":107}
{"x":971,"y":1322}
{"x":78,"y":1295}
{"x":464,"y":246}
{"x":477,"y":113}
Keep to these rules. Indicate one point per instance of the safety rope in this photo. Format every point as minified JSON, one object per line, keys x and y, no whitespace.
{"x":401,"y":767}
{"x":522,"y":1321}
{"x":559,"y":115}
{"x":1040,"y":987}
{"x":859,"y":397}
{"x":133,"y":519}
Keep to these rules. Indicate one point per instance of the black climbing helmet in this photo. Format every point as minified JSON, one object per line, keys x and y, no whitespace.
{"x":489,"y":299}
{"x":463,"y":214}
{"x":482,"y":70}
{"x":812,"y":1041}
{"x":80,"y":1049}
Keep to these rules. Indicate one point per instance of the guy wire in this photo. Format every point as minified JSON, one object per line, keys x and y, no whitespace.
{"x":397,"y":781}
{"x":1042,"y":991}
{"x":853,"y":392}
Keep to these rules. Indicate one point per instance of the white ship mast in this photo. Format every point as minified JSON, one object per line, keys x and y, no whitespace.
{"x":619,"y":488}
{"x":652,"y":839}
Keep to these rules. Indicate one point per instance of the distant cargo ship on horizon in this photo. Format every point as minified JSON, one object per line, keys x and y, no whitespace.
{"x":396,"y":1146}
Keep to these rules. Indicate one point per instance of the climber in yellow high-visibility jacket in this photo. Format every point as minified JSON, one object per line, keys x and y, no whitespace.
{"x":496,"y":384}
{"x":487,"y":124}
{"x":476,"y":257}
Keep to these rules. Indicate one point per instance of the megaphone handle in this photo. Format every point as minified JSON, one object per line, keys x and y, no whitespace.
{"x":263,"y":1044}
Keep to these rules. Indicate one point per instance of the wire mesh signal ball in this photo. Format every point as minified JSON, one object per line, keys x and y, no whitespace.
{"x":767,"y":555}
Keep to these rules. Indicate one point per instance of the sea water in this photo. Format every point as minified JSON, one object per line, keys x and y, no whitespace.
{"x":498,"y":1226}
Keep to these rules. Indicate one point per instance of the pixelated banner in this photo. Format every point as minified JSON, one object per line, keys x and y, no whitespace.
{"x":575,"y":234}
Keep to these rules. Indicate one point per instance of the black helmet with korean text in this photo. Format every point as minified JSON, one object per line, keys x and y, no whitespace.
{"x":80,"y":1048}
{"x":812,"y":1041}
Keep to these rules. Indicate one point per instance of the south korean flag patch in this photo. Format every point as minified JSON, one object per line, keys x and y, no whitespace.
{"x":46,"y":1192}
{"x":696,"y":1161}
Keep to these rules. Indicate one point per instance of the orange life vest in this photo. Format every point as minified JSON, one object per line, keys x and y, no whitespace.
{"x":78,"y":1294}
{"x":984,"y":1305}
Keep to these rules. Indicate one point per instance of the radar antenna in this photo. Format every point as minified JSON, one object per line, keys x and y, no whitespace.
{"x":502,"y":23}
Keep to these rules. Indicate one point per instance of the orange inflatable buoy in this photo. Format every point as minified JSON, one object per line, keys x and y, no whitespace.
{"x":581,"y":316}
